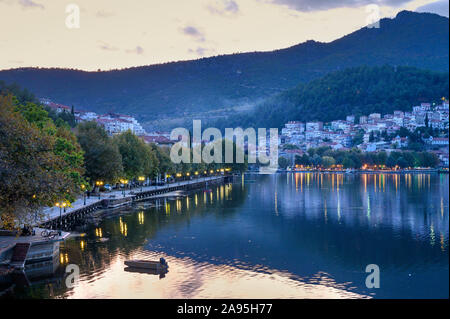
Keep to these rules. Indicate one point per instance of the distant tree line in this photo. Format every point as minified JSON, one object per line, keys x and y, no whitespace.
{"x":354,"y":158}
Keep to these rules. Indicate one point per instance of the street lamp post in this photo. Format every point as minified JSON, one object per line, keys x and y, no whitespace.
{"x":141,"y":179}
{"x":61,"y":205}
{"x":99,"y":184}
{"x":124,"y":182}
{"x":84,"y":194}
{"x":60,"y":213}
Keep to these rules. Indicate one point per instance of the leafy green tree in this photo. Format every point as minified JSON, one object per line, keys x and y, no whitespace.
{"x":65,"y":144}
{"x":328,"y":161}
{"x":302,"y":160}
{"x":428,"y":159}
{"x":283,"y":162}
{"x":103,"y":160}
{"x":165,"y":165}
{"x":138,"y":158}
{"x":348,"y":163}
{"x":316,"y":160}
{"x":33,"y":174}
{"x":402,"y":163}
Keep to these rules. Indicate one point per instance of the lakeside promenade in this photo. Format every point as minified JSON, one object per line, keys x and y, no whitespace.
{"x":51,"y":213}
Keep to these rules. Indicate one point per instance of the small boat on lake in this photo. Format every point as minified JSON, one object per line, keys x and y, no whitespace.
{"x":147,"y":264}
{"x":159,"y":272}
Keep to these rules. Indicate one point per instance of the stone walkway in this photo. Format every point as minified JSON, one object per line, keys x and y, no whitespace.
{"x":52,"y":212}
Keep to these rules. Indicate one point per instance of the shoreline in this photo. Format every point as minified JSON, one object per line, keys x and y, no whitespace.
{"x":412,"y":171}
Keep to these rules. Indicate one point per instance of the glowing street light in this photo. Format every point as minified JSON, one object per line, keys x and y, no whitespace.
{"x":141,"y":179}
{"x":99,"y":184}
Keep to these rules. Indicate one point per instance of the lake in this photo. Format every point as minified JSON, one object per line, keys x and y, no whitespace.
{"x":293,"y":235}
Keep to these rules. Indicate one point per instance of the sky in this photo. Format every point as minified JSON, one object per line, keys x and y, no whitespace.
{"x":115,"y":34}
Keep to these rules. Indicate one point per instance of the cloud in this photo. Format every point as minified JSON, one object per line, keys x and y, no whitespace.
{"x":223,"y":7}
{"x":103,"y":14}
{"x":318,"y":5}
{"x":24,"y":3}
{"x":194,"y":33}
{"x":107,"y":47}
{"x":201,"y":51}
{"x":30,"y":4}
{"x":137,"y":50}
{"x":438,"y":7}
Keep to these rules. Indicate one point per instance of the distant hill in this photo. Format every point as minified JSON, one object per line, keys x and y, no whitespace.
{"x":209,"y":87}
{"x":354,"y":91}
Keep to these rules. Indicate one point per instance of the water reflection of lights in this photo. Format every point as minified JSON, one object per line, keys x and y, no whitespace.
{"x":123,"y":227}
{"x":214,"y":281}
{"x":64,"y":258}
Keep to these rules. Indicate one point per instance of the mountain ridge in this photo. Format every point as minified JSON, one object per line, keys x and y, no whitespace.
{"x":195,"y":88}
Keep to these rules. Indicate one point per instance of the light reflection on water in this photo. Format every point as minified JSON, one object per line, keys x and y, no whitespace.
{"x":190,"y":279}
{"x":303,"y":235}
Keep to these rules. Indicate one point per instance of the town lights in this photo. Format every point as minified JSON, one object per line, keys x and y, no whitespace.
{"x":196,"y":173}
{"x":211,"y":171}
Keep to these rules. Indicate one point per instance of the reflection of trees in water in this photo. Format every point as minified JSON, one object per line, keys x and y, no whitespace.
{"x":128,"y":232}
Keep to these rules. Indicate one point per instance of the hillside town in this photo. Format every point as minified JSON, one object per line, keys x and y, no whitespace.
{"x":113,"y":123}
{"x":372,"y":133}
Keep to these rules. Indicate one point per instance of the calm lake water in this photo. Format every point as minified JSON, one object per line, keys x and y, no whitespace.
{"x":302,"y":235}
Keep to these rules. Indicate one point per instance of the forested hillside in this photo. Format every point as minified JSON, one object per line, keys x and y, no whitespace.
{"x":357,"y":91}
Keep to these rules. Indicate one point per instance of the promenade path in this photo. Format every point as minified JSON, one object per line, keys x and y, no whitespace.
{"x":53,"y":212}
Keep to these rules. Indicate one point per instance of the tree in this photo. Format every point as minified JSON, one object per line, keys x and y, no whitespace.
{"x":381,"y":158}
{"x":348,"y":162}
{"x":283,"y":162}
{"x":165,"y":165}
{"x":138,"y":158}
{"x":32,"y":174}
{"x":102,"y":157}
{"x":428,"y":159}
{"x":302,"y":160}
{"x":328,"y":161}
{"x":316,"y":160}
{"x":402,"y":163}
{"x":65,"y":144}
